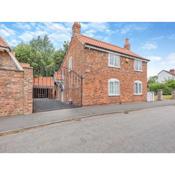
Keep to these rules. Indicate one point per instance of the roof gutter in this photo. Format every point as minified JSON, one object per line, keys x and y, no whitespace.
{"x":120,"y":54}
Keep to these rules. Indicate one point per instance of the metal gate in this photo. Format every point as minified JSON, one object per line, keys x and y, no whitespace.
{"x":54,"y":90}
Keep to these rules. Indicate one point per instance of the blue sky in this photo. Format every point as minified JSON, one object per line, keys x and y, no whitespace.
{"x":155,"y":41}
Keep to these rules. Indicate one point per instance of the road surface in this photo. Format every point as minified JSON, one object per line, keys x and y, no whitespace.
{"x":145,"y":131}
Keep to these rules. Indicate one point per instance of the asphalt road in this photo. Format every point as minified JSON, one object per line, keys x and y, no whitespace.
{"x":145,"y":131}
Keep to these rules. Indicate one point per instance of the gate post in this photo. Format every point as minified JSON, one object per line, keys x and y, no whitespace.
{"x":173,"y":94}
{"x":160,"y":95}
{"x":81,"y":91}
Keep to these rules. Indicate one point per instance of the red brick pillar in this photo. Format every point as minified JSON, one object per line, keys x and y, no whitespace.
{"x":28,"y":90}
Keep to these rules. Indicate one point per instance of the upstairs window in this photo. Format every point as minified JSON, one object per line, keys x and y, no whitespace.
{"x":137,"y":87}
{"x":113,"y":60}
{"x":137,"y":65}
{"x":70,"y":64}
{"x":113,"y":87}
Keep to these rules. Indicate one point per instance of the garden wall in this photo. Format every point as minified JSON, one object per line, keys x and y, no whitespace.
{"x":16,"y":91}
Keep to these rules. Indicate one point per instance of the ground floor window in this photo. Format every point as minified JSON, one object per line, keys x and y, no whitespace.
{"x":113,"y":87}
{"x":137,"y":87}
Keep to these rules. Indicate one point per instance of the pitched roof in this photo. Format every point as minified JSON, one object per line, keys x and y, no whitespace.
{"x":108,"y":46}
{"x":3,"y":43}
{"x":167,"y":72}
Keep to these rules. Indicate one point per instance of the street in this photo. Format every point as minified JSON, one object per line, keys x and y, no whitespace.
{"x":145,"y":131}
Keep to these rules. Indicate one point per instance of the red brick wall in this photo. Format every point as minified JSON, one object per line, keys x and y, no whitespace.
{"x":11,"y":92}
{"x":93,"y":66}
{"x":28,"y":88}
{"x":15,"y":92}
{"x":97,"y":74}
{"x":72,"y":79}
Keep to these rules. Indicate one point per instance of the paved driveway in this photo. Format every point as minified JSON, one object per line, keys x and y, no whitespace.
{"x":45,"y":104}
{"x":149,"y":130}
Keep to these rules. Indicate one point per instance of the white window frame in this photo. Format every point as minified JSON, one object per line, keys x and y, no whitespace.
{"x":113,"y":80}
{"x":139,"y":83}
{"x":70,"y":64}
{"x":136,"y":65}
{"x":117,"y":57}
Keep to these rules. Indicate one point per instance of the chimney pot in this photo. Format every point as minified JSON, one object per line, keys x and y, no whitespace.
{"x":127,"y":44}
{"x":172,"y":71}
{"x":76,"y":29}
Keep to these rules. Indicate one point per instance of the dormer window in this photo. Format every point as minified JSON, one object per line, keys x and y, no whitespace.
{"x":113,"y":60}
{"x":137,"y":65}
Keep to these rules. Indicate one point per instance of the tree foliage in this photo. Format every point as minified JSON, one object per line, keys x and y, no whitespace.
{"x":152,"y":79}
{"x":167,"y":86}
{"x":41,"y":55}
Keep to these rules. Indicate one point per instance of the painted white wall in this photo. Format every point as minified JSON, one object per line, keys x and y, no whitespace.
{"x":163,"y":76}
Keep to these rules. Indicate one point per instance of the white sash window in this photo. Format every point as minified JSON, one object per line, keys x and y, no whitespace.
{"x":113,"y":87}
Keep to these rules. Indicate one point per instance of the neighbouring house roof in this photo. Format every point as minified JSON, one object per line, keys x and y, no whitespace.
{"x":108,"y":46}
{"x":167,"y":72}
{"x":3,"y":43}
{"x":45,"y":82}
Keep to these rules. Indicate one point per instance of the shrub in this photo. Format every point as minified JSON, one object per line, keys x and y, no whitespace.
{"x":167,"y":87}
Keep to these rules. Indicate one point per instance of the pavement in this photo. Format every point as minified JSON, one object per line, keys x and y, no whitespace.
{"x":144,"y":131}
{"x":11,"y":125}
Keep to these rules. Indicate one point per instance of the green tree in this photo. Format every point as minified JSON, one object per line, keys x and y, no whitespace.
{"x":41,"y":55}
{"x":152,"y":79}
{"x":59,"y":55}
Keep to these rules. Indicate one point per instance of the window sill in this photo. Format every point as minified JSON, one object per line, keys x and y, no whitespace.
{"x":138,"y":94}
{"x":138,"y":70}
{"x":117,"y":67}
{"x":114,"y":95}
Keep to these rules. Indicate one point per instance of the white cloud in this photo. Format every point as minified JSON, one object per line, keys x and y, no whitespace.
{"x":57,"y":27}
{"x":5,"y":31}
{"x":171,"y":59}
{"x":154,"y":58}
{"x":13,"y":42}
{"x":130,"y":27}
{"x":23,"y":26}
{"x":149,"y":46}
{"x":57,"y":32}
{"x":91,"y":29}
{"x":97,"y":26}
{"x":27,"y":36}
{"x":158,"y":63}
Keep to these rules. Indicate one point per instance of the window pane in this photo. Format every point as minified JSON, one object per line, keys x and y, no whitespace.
{"x":136,"y":88}
{"x":114,"y":60}
{"x":114,"y":87}
{"x":140,"y":88}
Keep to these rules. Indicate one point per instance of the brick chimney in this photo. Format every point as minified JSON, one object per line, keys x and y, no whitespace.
{"x":76,"y":29}
{"x":127,"y":44}
{"x":172,"y":71}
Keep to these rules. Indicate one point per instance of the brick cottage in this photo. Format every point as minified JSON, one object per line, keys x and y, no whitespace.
{"x":15,"y":84}
{"x":110,"y":74}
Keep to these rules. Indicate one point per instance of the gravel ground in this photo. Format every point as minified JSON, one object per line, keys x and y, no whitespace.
{"x":149,"y":130}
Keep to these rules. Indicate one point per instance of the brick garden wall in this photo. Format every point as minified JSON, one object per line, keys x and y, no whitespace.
{"x":28,"y":89}
{"x":15,"y":91}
